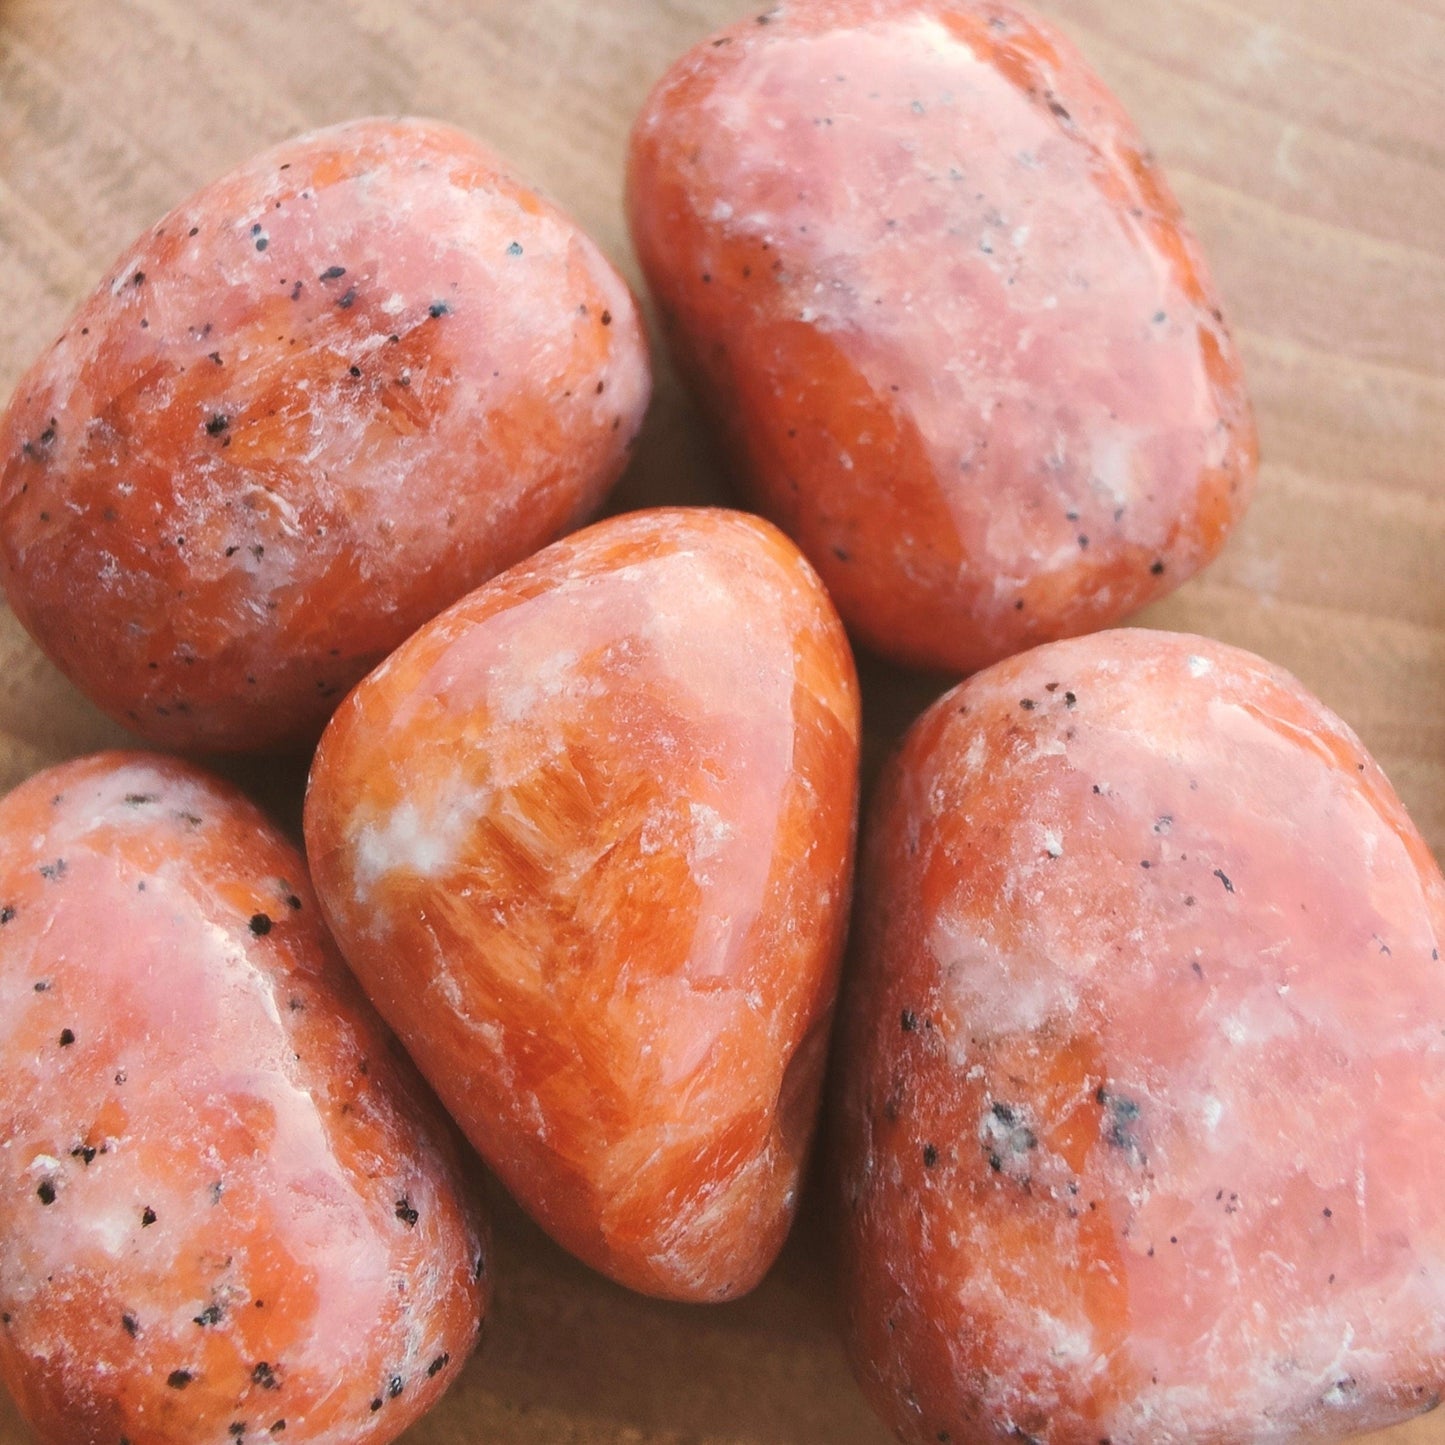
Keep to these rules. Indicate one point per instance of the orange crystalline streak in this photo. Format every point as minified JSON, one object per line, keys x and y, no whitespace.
{"x":1142,"y":1067}
{"x":586,"y":839}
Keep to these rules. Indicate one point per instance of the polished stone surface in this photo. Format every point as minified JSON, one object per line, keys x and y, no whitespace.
{"x":1143,"y":1068}
{"x":229,"y":1211}
{"x":587,"y":841}
{"x":915,"y":260}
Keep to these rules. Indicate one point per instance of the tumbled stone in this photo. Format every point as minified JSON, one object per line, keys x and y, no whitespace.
{"x":917,"y":264}
{"x":325,"y":397}
{"x":586,"y":839}
{"x":1143,"y":1065}
{"x":231,"y":1211}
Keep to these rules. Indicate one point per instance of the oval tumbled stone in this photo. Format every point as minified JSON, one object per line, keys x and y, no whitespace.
{"x":915,"y":260}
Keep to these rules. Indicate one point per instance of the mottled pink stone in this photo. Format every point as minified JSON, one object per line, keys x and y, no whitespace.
{"x":229,"y":1211}
{"x":325,"y":397}
{"x":1143,"y":1064}
{"x":915,"y":260}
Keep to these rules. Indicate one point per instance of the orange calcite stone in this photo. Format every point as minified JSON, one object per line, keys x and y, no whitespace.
{"x":317,"y":403}
{"x":916,"y":262}
{"x":231,"y":1212}
{"x":586,"y":840}
{"x":1143,"y":1065}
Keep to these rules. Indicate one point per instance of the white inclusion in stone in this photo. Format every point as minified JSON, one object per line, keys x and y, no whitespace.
{"x":1053,"y":844}
{"x":422,"y":843}
{"x":710,"y":830}
{"x":1199,"y":666}
{"x":1213,"y":1112}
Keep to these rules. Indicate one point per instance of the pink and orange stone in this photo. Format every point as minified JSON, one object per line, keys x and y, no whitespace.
{"x":1143,"y":1064}
{"x":916,"y":262}
{"x":231,"y":1211}
{"x":325,"y":397}
{"x":586,"y":839}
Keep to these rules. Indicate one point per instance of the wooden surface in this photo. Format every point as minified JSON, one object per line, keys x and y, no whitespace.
{"x":1306,"y":139}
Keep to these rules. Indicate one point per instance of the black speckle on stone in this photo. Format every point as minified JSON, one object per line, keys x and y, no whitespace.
{"x":129,"y":1325}
{"x":376,"y":1405}
{"x":395,"y":1387}
{"x":908,"y":1021}
{"x":260,"y":924}
{"x":354,"y":370}
{"x":1083,"y":542}
{"x":211,"y":1315}
{"x":296,"y":291}
{"x":292,"y":901}
{"x":147,"y":1217}
{"x":218,"y":424}
{"x":480,"y":1267}
{"x":406,"y":1213}
{"x":138,"y":800}
{"x":53,"y":871}
{"x":1120,"y":1121}
{"x":1220,"y":874}
{"x":333,"y":273}
{"x":515,"y":249}
{"x":236,"y":1429}
{"x":438,"y":308}
{"x":179,"y":1379}
{"x":930,"y":1156}
{"x":84,"y":1152}
{"x":347,"y":301}
{"x":46,"y":1192}
{"x":1157,"y":569}
{"x":139,"y":279}
{"x":278,"y":1427}
{"x":6,"y":914}
{"x":67,"y":1037}
{"x":437,"y":1366}
{"x":607,"y":318}
{"x":1027,"y":703}
{"x":842,"y":554}
{"x":264,"y":1376}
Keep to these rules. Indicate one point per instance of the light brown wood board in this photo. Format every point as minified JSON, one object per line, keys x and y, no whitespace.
{"x":1306,"y":139}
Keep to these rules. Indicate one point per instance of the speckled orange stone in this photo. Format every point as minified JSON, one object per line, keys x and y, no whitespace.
{"x":229,"y":1211}
{"x":918,"y":265}
{"x":586,"y":839}
{"x":1143,"y":1068}
{"x":318,"y":402}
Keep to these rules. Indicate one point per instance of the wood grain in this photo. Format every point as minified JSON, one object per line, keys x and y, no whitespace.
{"x":1306,"y":139}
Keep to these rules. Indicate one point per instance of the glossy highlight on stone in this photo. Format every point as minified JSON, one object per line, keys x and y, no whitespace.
{"x":1143,"y":1064}
{"x":325,"y":397}
{"x":916,"y":263}
{"x":229,"y":1211}
{"x":586,"y":839}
